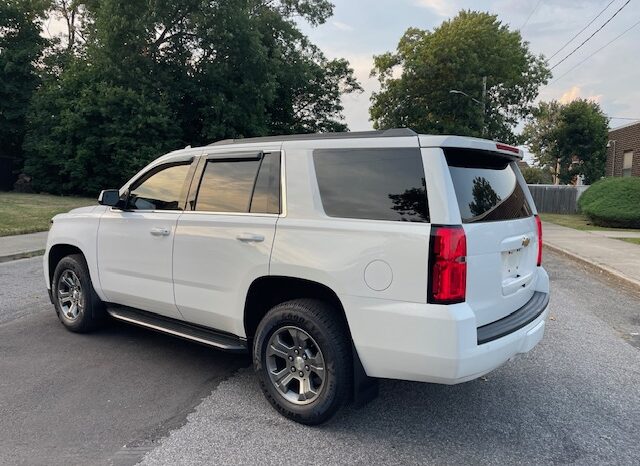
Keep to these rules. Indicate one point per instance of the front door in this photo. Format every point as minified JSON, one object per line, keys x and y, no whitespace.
{"x":135,"y":245}
{"x":224,"y":242}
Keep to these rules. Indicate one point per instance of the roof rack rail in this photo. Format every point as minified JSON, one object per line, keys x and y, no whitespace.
{"x":385,"y":133}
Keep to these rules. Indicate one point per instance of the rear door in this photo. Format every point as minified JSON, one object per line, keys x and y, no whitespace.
{"x":223,"y":241}
{"x":497,"y":216}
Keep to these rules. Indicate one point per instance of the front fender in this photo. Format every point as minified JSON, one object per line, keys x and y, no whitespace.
{"x":79,"y":230}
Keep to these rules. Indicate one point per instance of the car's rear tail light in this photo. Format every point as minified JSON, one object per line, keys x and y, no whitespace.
{"x":447,"y":265}
{"x":539,"y":231}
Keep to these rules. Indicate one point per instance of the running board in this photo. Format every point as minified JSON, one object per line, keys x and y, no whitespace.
{"x":203,"y":335}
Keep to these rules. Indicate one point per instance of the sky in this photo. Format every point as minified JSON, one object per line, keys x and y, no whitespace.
{"x":360,"y":29}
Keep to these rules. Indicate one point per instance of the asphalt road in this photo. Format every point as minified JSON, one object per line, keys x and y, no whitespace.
{"x":101,"y":398}
{"x":70,"y":399}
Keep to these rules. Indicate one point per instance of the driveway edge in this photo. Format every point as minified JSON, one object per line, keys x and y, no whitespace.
{"x":595,"y":266}
{"x":21,"y":255}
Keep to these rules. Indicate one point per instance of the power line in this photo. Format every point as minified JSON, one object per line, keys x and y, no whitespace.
{"x":594,"y":33}
{"x":589,"y":56}
{"x":530,"y":15}
{"x":581,"y":31}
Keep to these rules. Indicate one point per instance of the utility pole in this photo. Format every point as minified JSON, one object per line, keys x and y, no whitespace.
{"x":484,"y":105}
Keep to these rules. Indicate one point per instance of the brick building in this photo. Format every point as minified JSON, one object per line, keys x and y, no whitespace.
{"x":623,"y":151}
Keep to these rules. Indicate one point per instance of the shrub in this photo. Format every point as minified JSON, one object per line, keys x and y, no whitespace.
{"x":613,"y":202}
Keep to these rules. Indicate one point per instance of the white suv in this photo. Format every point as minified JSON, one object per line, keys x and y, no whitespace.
{"x":335,"y":259}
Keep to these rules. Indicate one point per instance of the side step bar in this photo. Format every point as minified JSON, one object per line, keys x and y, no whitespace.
{"x":203,"y":335}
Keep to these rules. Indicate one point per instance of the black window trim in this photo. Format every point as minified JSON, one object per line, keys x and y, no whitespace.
{"x":192,"y":196}
{"x":182,"y":200}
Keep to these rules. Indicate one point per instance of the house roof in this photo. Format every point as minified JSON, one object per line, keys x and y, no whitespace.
{"x":634,"y":123}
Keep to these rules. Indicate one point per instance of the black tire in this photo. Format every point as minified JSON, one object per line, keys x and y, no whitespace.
{"x":329,"y":334}
{"x":91,"y":312}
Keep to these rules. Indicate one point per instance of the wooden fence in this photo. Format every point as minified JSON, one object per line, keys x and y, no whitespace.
{"x":556,"y":199}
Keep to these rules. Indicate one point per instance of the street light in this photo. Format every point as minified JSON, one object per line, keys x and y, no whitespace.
{"x":455,"y":91}
{"x":613,"y":158}
{"x":482,"y":103}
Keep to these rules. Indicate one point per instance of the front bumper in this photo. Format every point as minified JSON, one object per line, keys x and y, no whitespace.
{"x":440,"y":344}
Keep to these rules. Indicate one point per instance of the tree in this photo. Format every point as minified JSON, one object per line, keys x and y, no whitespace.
{"x":582,"y":133}
{"x":540,"y":135}
{"x":21,"y":47}
{"x":569,"y":139}
{"x":456,"y":56}
{"x":141,"y":78}
{"x":484,"y":196}
{"x":537,"y":175}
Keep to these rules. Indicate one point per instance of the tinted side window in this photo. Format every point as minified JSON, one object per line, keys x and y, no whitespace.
{"x":486,"y":186}
{"x":161,"y":190}
{"x":266,"y":194}
{"x":376,"y":184}
{"x":227,"y":185}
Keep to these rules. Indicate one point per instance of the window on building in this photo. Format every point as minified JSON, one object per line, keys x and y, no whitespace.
{"x":627,"y":163}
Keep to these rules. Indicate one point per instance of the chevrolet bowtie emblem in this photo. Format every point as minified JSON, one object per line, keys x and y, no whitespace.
{"x":525,"y":241}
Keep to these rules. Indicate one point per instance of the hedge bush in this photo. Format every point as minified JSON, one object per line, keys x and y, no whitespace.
{"x":613,"y":202}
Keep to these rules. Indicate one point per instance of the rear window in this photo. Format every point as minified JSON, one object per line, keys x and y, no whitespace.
{"x":375,"y":184}
{"x":486,"y":186}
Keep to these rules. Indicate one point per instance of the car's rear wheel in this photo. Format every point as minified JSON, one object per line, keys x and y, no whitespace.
{"x":302,"y":356}
{"x":77,"y":305}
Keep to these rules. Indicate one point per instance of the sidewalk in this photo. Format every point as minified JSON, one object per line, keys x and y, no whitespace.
{"x":614,"y":257}
{"x":19,"y":246}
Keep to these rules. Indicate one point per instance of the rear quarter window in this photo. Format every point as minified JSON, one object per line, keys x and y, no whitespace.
{"x":486,"y":186}
{"x":374,"y":184}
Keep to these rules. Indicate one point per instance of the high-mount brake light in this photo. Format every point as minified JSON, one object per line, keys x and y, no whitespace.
{"x":508,"y":148}
{"x":447,"y":265}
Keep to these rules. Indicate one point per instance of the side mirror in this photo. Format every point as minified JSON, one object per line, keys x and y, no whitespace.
{"x":109,"y":197}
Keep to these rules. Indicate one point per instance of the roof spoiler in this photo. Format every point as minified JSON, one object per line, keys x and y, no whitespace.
{"x":463,"y":142}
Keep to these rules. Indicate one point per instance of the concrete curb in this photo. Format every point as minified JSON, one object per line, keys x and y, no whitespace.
{"x":21,"y":255}
{"x":603,"y":269}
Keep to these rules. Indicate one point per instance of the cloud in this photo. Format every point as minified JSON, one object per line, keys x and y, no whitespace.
{"x":575,"y":92}
{"x":341,"y":26}
{"x":441,"y":7}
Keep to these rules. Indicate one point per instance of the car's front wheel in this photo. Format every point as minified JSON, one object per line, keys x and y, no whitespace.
{"x":77,"y":305}
{"x":302,"y":356}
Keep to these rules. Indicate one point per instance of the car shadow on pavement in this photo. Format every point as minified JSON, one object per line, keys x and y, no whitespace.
{"x":70,"y":398}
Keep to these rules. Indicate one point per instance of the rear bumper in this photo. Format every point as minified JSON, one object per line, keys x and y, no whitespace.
{"x":440,"y":344}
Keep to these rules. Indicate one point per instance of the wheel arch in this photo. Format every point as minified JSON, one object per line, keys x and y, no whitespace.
{"x":57,"y":252}
{"x":268,"y":291}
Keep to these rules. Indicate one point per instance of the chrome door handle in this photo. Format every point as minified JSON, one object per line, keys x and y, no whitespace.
{"x":160,"y":231}
{"x":250,"y":237}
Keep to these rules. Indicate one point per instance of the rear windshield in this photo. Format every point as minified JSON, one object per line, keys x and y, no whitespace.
{"x":486,"y":186}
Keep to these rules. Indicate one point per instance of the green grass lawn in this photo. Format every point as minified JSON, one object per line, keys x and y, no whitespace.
{"x":27,"y":213}
{"x":631,"y":240}
{"x":577,"y":221}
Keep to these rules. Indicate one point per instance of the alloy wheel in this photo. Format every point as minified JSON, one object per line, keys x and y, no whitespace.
{"x":295,"y":365}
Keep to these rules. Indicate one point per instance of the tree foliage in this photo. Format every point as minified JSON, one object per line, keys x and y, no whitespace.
{"x":569,"y":139}
{"x":21,"y":48}
{"x":456,"y":56}
{"x":537,"y":175}
{"x":131,"y":80}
